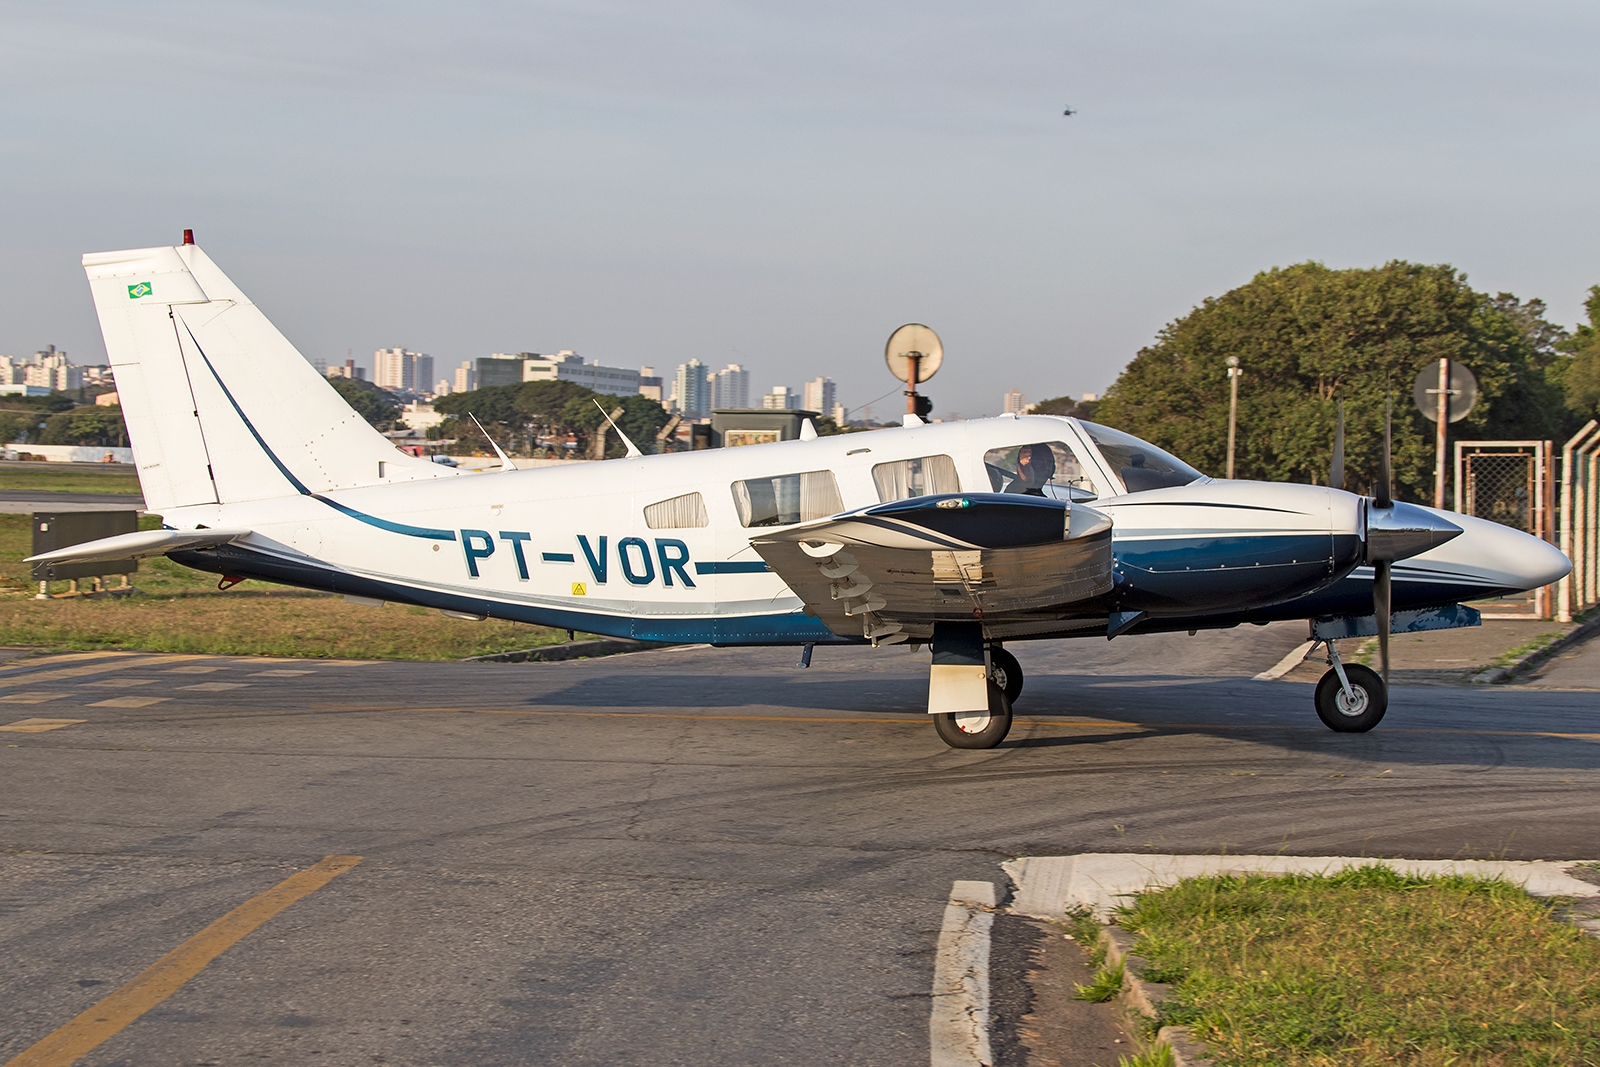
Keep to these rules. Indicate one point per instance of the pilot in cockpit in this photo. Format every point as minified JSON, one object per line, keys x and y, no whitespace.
{"x":1036,"y":465}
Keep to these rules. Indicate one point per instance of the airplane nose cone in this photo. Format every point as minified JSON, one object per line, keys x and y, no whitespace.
{"x":1401,"y":531}
{"x":1541,"y":563}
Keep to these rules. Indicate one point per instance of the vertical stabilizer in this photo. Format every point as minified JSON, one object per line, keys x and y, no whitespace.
{"x":220,"y":406}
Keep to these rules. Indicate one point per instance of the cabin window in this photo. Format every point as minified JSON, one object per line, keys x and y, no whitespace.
{"x":907,"y":478}
{"x":1048,"y":468}
{"x":679,"y":513}
{"x":788,"y":498}
{"x":1140,"y":464}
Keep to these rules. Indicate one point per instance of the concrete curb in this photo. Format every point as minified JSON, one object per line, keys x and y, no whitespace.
{"x":1056,"y":887}
{"x":1146,"y":998}
{"x":1536,"y":658}
{"x":602,"y":646}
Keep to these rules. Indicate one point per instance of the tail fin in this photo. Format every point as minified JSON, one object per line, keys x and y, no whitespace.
{"x":220,"y":406}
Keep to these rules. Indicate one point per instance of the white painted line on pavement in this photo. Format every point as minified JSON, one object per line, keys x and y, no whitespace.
{"x":1285,"y":665}
{"x":958,"y":1028}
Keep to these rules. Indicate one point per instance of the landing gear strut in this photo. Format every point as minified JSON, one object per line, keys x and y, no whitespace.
{"x":967,"y":687}
{"x":1350,"y":698}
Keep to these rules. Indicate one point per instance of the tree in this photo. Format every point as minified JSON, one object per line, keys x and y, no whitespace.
{"x":641,"y":419}
{"x":19,"y":427}
{"x":1308,"y":336}
{"x":1580,"y":379}
{"x":1065,"y":405}
{"x":378,"y":406}
{"x":553,"y":409}
{"x":92,"y":425}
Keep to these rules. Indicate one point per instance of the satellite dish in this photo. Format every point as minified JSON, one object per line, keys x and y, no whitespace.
{"x":1463,"y":391}
{"x":913,"y":345}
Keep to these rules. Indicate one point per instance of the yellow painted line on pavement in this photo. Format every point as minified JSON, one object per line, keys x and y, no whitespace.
{"x":39,"y":726}
{"x":68,"y":657}
{"x":94,"y":668}
{"x":167,"y":975}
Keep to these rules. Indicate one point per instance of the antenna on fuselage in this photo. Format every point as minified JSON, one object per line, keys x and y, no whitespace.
{"x":633,"y":449}
{"x":505,"y":460}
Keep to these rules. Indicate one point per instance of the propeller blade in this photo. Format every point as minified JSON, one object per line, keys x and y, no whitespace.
{"x":1336,"y":471}
{"x":1383,"y":497}
{"x":1380,"y":608}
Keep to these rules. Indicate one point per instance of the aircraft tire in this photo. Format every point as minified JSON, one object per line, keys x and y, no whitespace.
{"x":976,"y":730}
{"x":1006,"y":672}
{"x":1338,"y":713}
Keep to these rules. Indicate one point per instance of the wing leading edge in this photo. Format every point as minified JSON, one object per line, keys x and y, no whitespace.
{"x":890,"y":571}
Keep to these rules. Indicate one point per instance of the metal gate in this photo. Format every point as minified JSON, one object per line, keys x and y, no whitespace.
{"x":1509,"y":482}
{"x":1580,"y":510}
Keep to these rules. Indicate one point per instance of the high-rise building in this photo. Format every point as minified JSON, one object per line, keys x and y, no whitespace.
{"x":349,"y":370}
{"x":780,"y":398}
{"x":401,"y":371}
{"x":466,"y":378}
{"x":568,"y":366}
{"x":1015,"y":403}
{"x":650,"y":384}
{"x":689,"y":390}
{"x":499,"y":369}
{"x":51,"y":369}
{"x":819,"y":395}
{"x":730,"y":387}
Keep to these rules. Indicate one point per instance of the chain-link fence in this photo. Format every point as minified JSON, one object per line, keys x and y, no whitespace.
{"x":1509,"y":482}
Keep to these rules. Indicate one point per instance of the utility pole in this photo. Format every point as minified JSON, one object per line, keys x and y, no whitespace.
{"x":1443,"y":425}
{"x":1233,"y":406}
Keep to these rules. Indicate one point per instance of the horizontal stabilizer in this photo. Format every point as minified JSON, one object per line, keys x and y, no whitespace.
{"x":138,"y":545}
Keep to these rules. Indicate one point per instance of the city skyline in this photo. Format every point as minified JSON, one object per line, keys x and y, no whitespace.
{"x":677,"y":183}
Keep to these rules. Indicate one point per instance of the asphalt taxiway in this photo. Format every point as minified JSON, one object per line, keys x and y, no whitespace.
{"x":682,"y":856}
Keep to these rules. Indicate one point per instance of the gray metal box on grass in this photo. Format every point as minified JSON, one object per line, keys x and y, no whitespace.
{"x":53,"y":530}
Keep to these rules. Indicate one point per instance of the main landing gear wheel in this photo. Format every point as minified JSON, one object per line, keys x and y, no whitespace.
{"x":1340,"y":712}
{"x":977,"y":729}
{"x":1006,"y":672}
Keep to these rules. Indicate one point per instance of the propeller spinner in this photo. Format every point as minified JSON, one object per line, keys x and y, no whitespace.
{"x":1394,"y":530}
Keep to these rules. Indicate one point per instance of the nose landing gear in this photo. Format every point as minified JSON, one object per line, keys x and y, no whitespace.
{"x":1350,"y":699}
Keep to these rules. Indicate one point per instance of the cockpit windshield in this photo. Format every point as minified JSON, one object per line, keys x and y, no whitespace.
{"x":1139,"y":464}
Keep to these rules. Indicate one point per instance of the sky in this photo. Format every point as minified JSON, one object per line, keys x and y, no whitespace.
{"x":780,"y":185}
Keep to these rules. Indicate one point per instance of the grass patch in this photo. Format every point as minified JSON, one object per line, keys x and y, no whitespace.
{"x":64,"y":478}
{"x":1507,"y":658}
{"x":1156,"y":1056}
{"x":1085,"y":929}
{"x":1369,"y":967}
{"x":181,"y":610}
{"x":1104,"y":986}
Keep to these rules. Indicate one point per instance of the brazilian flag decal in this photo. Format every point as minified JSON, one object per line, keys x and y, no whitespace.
{"x":141,"y":289}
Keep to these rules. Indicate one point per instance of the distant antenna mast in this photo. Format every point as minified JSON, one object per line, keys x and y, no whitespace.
{"x":633,"y":450}
{"x":505,"y":460}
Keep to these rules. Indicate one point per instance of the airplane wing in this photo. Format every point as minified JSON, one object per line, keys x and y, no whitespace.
{"x":890,"y":571}
{"x":138,"y":545}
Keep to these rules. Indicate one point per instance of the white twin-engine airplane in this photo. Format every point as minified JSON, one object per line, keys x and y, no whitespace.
{"x":960,"y":536}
